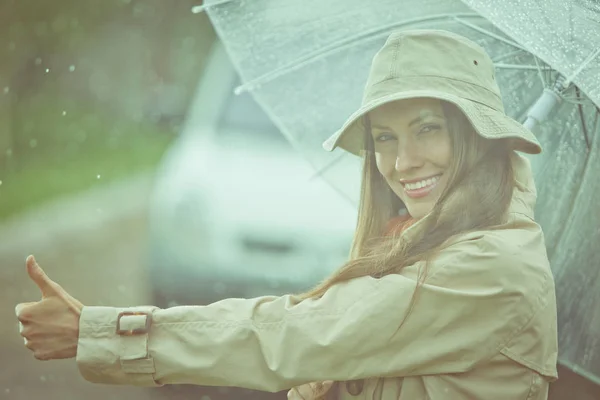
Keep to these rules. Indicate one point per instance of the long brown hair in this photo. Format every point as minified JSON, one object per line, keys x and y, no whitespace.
{"x":478,"y":195}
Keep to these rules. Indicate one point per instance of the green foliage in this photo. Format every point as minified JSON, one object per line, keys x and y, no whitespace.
{"x":82,"y":91}
{"x":64,"y":154}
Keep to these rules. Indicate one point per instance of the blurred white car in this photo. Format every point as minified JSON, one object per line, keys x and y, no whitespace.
{"x":236,"y":212}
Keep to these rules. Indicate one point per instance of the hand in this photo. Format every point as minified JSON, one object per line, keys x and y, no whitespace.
{"x":50,"y":326}
{"x":310,"y":391}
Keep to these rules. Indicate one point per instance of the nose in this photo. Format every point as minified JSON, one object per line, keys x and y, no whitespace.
{"x":408,"y":156}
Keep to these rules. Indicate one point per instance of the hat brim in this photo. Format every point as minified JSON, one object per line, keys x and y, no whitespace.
{"x":488,"y":123}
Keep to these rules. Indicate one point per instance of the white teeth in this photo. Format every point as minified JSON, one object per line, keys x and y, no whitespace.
{"x":421,"y":184}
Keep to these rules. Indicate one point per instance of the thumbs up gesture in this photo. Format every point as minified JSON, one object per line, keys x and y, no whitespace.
{"x":50,"y":327}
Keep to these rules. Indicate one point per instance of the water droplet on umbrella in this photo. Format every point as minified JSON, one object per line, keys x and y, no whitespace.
{"x":6,"y":89}
{"x":43,"y":378}
{"x":98,"y":176}
{"x":47,"y":70}
{"x":64,"y":113}
{"x":72,"y":68}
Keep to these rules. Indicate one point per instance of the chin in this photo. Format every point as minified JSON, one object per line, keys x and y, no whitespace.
{"x":419,"y":210}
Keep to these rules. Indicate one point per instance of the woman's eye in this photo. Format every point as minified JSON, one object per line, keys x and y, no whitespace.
{"x":430,"y":128}
{"x":384,"y":137}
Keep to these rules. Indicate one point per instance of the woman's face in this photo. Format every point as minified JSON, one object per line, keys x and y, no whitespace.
{"x":413,"y":151}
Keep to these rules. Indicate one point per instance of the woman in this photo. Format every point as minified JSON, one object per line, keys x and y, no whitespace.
{"x":447,"y":295}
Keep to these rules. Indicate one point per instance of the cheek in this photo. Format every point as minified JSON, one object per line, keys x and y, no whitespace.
{"x":441,"y":153}
{"x":385,"y":164}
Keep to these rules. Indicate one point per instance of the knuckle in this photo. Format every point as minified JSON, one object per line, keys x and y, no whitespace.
{"x":25,"y":331}
{"x":23,"y":316}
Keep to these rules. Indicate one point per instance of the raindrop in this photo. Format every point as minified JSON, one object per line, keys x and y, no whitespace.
{"x":9,"y":152}
{"x":6,"y":89}
{"x":38,"y":61}
{"x":47,"y":70}
{"x":43,"y":378}
{"x":7,"y":391}
{"x":12,"y":46}
{"x":72,"y":68}
{"x":0,"y":183}
{"x":64,"y":113}
{"x":98,"y":176}
{"x":33,"y":143}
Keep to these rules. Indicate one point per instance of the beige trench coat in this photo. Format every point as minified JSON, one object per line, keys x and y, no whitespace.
{"x":484,"y":327}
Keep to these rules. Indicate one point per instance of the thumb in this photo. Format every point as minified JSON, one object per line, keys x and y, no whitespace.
{"x":37,"y":274}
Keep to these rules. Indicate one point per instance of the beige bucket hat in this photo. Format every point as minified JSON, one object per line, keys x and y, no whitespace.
{"x":442,"y":65}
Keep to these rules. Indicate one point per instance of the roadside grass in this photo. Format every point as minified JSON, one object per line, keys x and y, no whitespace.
{"x":62,"y":148}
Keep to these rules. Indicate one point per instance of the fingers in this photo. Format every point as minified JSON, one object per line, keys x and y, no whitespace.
{"x":37,"y":275}
{"x":310,"y":391}
{"x":294,"y":394}
{"x":21,"y":311}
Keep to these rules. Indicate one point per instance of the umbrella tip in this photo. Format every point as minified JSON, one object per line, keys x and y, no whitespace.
{"x":199,"y":9}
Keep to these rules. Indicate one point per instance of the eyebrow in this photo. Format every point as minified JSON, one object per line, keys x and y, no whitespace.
{"x":417,"y":120}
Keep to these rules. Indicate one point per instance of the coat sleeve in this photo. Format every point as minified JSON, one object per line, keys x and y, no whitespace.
{"x":465,"y":312}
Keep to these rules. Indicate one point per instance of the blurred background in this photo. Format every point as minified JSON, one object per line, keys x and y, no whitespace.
{"x":136,"y":176}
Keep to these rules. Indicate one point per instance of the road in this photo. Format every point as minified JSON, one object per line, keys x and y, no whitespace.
{"x":93,"y":245}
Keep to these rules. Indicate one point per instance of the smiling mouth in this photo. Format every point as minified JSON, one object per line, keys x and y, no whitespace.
{"x":421,"y":188}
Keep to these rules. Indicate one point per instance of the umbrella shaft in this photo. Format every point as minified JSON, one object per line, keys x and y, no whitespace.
{"x":542,"y":108}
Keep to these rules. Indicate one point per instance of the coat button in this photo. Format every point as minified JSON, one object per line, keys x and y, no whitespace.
{"x":355,"y":387}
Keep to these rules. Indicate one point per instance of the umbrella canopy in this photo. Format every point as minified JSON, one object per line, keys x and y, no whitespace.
{"x":306,"y":63}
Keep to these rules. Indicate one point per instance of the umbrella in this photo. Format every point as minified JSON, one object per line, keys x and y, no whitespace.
{"x":306,"y":63}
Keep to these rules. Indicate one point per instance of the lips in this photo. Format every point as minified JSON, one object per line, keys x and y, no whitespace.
{"x":421,"y":188}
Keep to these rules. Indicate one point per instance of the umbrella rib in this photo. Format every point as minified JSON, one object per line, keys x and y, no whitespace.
{"x":582,"y":66}
{"x":490,"y":34}
{"x":539,"y":70}
{"x":521,"y":67}
{"x":506,"y":55}
{"x":204,"y":7}
{"x":326,"y":167}
{"x":338,"y":46}
{"x":582,"y":118}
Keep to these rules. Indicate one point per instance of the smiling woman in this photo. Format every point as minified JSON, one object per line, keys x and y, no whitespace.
{"x":455,"y":301}
{"x":413,"y":150}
